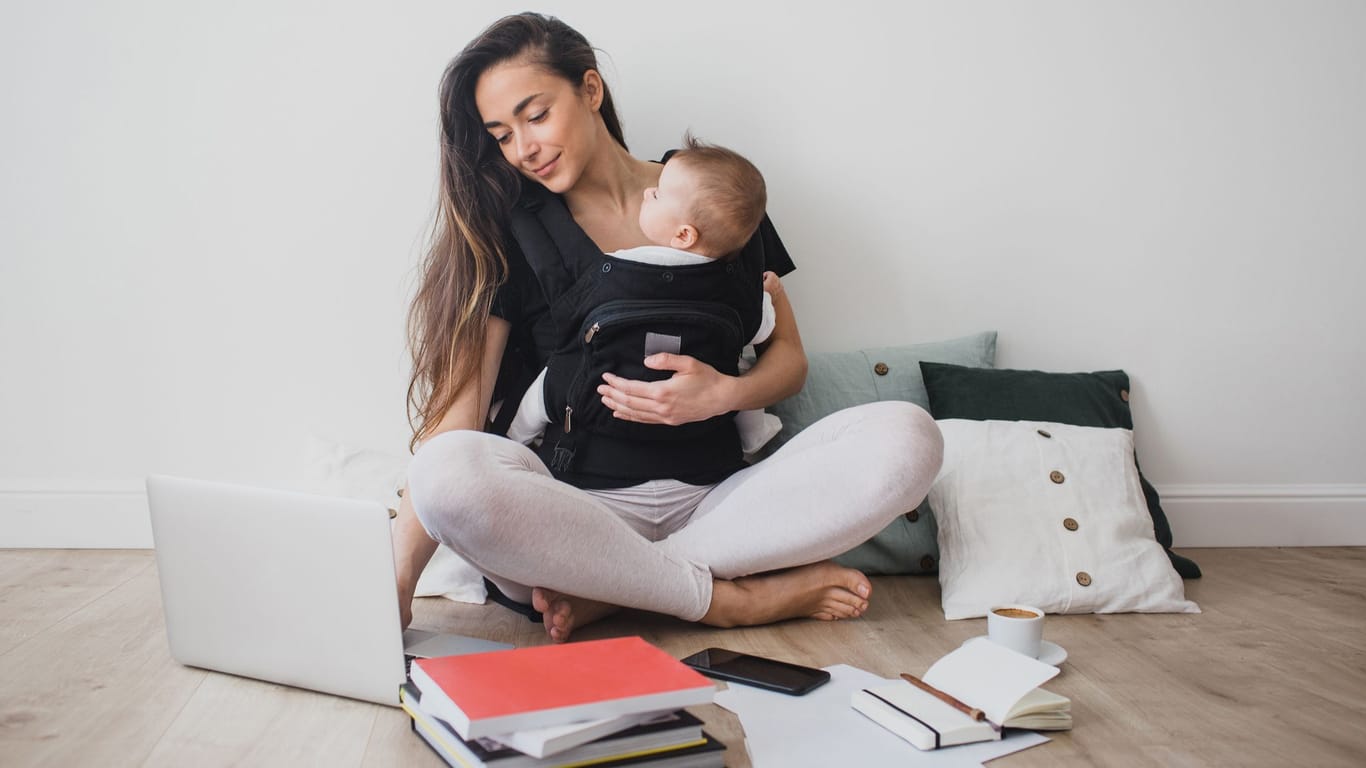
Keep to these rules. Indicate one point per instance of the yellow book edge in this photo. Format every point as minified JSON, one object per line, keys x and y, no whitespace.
{"x":423,"y":720}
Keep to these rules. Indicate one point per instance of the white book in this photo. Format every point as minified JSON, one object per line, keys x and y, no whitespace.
{"x":998,"y":681}
{"x":543,"y":742}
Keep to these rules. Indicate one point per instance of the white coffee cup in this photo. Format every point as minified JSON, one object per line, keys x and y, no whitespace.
{"x":1017,"y":627}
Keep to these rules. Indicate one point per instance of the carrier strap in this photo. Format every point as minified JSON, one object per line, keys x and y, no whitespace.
{"x":556,"y":248}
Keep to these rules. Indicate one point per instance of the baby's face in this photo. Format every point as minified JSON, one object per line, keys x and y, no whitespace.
{"x":666,"y":208}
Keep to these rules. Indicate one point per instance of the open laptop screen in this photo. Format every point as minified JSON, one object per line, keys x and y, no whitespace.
{"x":280,"y":586}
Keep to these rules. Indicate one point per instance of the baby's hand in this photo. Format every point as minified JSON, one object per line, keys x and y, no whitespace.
{"x":772,"y":285}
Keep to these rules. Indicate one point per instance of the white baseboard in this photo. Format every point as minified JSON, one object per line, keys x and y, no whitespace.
{"x":74,"y":519}
{"x":1321,"y":515}
{"x":80,"y":516}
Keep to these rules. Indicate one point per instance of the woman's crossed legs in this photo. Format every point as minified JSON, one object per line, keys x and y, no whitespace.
{"x":755,"y":550}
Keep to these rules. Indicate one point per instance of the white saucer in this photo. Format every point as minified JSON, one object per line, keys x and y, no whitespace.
{"x":1049,"y":653}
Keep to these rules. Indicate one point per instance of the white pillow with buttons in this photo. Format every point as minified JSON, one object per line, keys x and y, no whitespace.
{"x":1049,"y":515}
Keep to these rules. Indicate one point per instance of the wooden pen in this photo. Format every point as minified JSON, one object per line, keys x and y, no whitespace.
{"x":972,"y":712}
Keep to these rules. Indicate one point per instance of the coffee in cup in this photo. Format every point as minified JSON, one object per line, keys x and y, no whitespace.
{"x":1017,"y":627}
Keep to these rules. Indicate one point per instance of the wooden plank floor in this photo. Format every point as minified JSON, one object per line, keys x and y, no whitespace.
{"x":1272,"y":673}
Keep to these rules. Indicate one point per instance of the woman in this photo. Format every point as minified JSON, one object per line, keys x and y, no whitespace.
{"x":525,"y":112}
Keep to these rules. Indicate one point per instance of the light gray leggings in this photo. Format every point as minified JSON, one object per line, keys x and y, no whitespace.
{"x":830,"y":488}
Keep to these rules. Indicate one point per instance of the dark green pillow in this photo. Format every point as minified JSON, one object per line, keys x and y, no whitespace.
{"x":838,"y":380}
{"x":1099,"y":399}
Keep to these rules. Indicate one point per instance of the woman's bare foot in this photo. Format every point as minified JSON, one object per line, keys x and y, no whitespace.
{"x":823,"y":590}
{"x":562,"y":613}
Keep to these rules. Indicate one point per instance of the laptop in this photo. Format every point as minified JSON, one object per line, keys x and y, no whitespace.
{"x":286,"y":587}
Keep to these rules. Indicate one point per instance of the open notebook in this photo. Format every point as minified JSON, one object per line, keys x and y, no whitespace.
{"x":981,"y":674}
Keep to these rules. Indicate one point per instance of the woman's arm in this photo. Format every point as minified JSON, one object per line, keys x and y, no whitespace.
{"x":698,"y":391}
{"x":413,"y":548}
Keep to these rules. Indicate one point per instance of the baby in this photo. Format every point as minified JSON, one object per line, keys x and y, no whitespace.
{"x":707,"y":205}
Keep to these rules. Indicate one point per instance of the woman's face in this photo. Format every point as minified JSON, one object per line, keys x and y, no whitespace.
{"x":544,"y":125}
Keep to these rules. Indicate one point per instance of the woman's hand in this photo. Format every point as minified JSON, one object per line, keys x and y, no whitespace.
{"x":698,"y":391}
{"x":773,"y":286}
{"x":412,"y":549}
{"x":405,"y":608}
{"x":695,"y":392}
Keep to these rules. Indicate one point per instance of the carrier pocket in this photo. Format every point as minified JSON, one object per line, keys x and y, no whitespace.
{"x":617,"y":337}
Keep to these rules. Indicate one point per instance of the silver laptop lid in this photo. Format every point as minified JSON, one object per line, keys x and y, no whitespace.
{"x":280,"y":586}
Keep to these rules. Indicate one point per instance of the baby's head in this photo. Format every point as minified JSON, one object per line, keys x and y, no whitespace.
{"x":709,"y":201}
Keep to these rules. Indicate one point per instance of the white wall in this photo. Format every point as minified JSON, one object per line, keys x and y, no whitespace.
{"x":211,"y":215}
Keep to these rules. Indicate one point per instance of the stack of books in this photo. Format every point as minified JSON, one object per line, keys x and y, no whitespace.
{"x":603,"y":703}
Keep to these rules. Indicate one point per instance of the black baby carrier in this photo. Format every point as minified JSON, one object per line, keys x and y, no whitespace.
{"x":606,"y":315}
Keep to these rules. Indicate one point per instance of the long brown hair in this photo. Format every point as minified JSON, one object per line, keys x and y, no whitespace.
{"x":466,"y":259}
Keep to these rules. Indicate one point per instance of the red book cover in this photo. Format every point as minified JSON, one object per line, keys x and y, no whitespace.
{"x":486,"y":694}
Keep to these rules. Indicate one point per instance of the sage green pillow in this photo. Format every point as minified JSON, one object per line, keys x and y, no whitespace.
{"x":838,"y":380}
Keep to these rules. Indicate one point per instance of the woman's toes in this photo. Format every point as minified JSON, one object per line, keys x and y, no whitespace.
{"x":540,"y":599}
{"x":856,"y":583}
{"x":561,"y":620}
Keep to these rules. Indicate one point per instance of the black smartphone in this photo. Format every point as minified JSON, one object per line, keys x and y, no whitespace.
{"x":770,"y":674}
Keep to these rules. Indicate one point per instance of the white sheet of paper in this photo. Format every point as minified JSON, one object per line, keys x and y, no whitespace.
{"x":822,"y":729}
{"x":988,"y":676}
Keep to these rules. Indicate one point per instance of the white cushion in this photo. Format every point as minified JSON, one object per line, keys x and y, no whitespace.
{"x":361,"y":473}
{"x":1002,"y":535}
